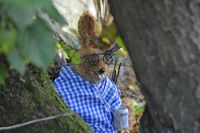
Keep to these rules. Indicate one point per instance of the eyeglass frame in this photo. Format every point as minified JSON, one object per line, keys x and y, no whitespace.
{"x":106,"y":53}
{"x":110,"y":52}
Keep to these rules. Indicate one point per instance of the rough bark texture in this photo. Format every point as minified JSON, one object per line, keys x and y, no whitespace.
{"x":163,"y":40}
{"x":30,"y":97}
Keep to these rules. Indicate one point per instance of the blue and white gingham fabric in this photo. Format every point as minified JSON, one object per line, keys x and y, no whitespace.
{"x":93,"y":102}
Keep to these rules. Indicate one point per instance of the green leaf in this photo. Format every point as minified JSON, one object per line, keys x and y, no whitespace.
{"x":22,"y":16}
{"x":64,"y":47}
{"x":48,"y":7}
{"x":16,"y":61}
{"x":110,"y":31}
{"x":75,"y":57}
{"x":106,"y":40}
{"x":19,"y":3}
{"x":29,"y":6}
{"x":120,"y":42}
{"x":3,"y":74}
{"x":37,"y":44}
{"x":26,"y":61}
{"x":7,"y":39}
{"x":58,"y":46}
{"x":138,"y":108}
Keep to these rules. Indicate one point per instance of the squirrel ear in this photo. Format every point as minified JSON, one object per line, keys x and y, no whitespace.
{"x":88,"y":26}
{"x":90,"y":30}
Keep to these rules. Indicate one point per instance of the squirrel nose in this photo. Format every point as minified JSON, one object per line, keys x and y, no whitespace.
{"x":101,"y":70}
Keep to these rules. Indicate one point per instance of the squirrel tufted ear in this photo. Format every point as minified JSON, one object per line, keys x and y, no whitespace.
{"x":90,"y":32}
{"x":88,"y":26}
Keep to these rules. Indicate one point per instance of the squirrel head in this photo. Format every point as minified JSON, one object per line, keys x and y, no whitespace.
{"x":91,"y":44}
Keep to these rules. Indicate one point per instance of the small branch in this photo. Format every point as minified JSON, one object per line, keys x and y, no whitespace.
{"x":34,"y":121}
{"x":56,"y":28}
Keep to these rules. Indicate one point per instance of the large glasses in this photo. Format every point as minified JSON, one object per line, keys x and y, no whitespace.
{"x":94,"y":59}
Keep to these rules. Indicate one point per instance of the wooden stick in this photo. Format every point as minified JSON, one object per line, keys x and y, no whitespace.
{"x":117,"y":73}
{"x":34,"y":121}
{"x":114,"y":72}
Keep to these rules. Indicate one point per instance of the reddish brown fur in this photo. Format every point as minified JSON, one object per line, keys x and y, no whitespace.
{"x":86,"y":26}
{"x":89,"y":30}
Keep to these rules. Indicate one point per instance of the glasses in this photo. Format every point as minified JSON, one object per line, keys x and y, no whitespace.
{"x":94,"y":59}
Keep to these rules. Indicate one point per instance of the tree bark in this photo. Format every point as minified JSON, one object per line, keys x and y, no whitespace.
{"x":31,"y":97}
{"x":163,"y":40}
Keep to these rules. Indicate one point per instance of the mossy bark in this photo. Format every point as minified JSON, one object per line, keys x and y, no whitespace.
{"x":32,"y":96}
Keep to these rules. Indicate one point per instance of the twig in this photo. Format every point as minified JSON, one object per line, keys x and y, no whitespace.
{"x":114,"y":72}
{"x":34,"y":121}
{"x":56,"y":28}
{"x":117,"y":73}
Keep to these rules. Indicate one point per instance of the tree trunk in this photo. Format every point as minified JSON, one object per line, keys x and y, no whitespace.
{"x":30,"y":97}
{"x":163,"y":40}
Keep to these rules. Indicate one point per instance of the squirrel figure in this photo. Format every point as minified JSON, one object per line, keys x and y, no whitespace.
{"x":82,"y":87}
{"x":89,"y":30}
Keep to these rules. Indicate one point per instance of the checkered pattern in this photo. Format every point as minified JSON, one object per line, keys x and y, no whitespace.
{"x":93,"y":102}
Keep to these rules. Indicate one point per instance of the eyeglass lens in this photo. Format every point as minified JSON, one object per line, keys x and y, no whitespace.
{"x":94,"y":59}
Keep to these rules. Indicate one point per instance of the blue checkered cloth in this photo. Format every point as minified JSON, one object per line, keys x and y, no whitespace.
{"x":94,"y":102}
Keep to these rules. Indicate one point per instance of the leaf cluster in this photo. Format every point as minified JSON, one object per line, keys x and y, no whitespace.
{"x":24,"y":37}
